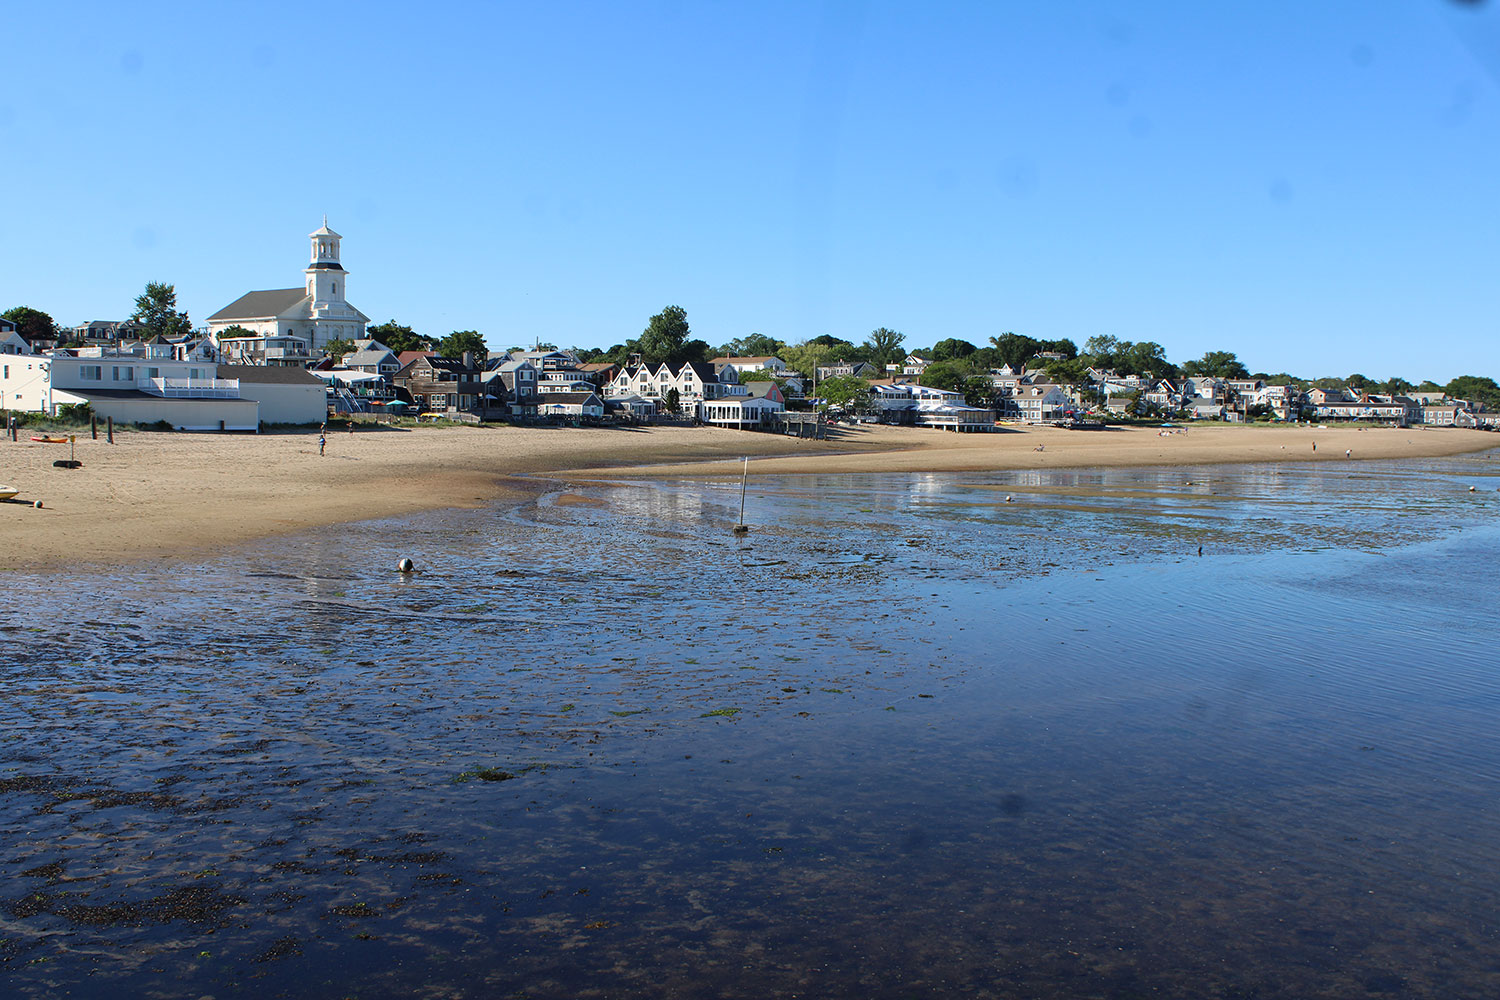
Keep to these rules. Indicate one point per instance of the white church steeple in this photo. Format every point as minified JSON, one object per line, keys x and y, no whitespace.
{"x":325,"y":275}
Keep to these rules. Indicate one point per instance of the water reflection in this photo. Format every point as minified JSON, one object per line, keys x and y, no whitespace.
{"x":905,"y":738}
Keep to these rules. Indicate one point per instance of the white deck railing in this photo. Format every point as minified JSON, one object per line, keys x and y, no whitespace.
{"x":191,"y":388}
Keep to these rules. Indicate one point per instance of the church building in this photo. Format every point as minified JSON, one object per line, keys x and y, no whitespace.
{"x":292,"y":326}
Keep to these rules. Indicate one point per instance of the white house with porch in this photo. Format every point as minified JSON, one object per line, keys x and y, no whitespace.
{"x":146,"y":387}
{"x":740,"y":412}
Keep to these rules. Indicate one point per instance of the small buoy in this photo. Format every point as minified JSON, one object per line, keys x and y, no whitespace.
{"x":1471,"y":489}
{"x":1007,"y":498}
{"x":406,"y":566}
{"x":37,"y":505}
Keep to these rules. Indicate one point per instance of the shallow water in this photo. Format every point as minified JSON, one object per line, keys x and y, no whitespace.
{"x":908,"y":738}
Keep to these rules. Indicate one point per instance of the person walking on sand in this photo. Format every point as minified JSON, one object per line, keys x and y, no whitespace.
{"x":1347,"y":453}
{"x":322,"y":442}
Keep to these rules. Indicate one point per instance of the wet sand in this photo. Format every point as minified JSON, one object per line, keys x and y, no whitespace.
{"x":161,"y":495}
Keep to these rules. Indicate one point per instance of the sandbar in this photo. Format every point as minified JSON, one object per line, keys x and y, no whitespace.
{"x":158,"y":495}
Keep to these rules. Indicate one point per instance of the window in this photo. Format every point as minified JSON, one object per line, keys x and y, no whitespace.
{"x":153,"y":373}
{"x":91,"y":373}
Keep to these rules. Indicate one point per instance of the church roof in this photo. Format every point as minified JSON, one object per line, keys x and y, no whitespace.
{"x":261,"y":305}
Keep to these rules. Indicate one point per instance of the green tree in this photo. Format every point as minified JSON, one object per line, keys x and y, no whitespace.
{"x":335,"y":349}
{"x":610,"y":355}
{"x":672,"y":400}
{"x":1067,"y":371}
{"x":399,"y":338}
{"x":980,"y":391}
{"x":1395,"y":386}
{"x":952,"y":349}
{"x":1476,"y":389}
{"x":1015,"y":349}
{"x":1217,"y":364}
{"x":664,"y":335}
{"x":31,"y":324}
{"x":1147,"y":358}
{"x":755,"y":345}
{"x":460,"y":341}
{"x":883,"y":346}
{"x":156,"y":312}
{"x":847,"y":391}
{"x":695,"y":352}
{"x":807,"y":357}
{"x":943,"y":375}
{"x":1104,"y":350}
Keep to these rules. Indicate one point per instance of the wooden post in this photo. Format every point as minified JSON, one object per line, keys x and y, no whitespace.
{"x":94,"y":427}
{"x":109,"y":427}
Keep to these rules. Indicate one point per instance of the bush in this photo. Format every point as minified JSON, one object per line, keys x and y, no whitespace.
{"x":76,"y":414}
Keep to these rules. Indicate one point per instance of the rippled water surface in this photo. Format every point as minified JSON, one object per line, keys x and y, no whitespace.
{"x":972,"y":735}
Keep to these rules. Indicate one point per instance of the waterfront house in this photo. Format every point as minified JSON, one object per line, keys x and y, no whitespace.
{"x":632,"y":406}
{"x":145,"y":386}
{"x":373,"y":357}
{"x":756,"y":409}
{"x":518,"y":382}
{"x":1340,"y":405}
{"x":1036,"y":402}
{"x":440,"y":385}
{"x":899,"y":402}
{"x":283,"y":395}
{"x":570,"y":404}
{"x":695,"y":383}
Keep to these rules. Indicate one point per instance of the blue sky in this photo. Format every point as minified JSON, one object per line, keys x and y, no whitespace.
{"x":1312,"y":186}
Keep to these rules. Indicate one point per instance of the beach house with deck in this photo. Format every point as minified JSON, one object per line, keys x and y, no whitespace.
{"x":144,"y":386}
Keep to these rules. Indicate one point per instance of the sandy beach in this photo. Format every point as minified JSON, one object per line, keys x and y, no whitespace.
{"x":163,"y":495}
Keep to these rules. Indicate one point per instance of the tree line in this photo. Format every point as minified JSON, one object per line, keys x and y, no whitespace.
{"x":956,"y":364}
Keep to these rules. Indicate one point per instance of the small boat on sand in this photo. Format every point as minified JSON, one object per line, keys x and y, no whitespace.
{"x":8,"y":492}
{"x":46,"y":439}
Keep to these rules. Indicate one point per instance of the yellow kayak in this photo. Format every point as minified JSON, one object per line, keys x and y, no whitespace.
{"x":6,"y":492}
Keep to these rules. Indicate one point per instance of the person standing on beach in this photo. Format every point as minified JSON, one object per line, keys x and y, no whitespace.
{"x":322,"y":442}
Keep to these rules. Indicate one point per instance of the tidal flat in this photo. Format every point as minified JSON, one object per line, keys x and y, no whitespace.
{"x":981,"y":734}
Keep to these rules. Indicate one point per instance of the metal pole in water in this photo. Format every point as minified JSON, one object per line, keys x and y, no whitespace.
{"x":743,"y":528}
